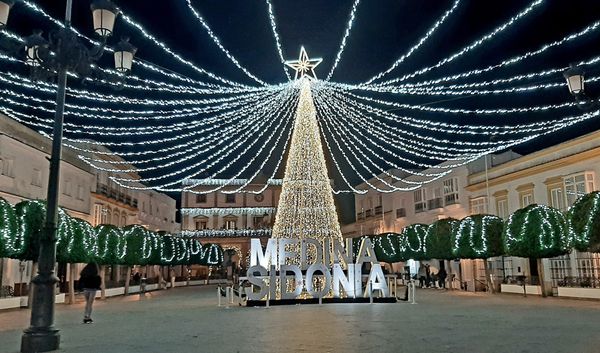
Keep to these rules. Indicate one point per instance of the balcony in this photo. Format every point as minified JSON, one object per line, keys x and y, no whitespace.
{"x":378,"y":210}
{"x":104,"y":190}
{"x":435,"y":203}
{"x":420,"y":207}
{"x":400,"y":212}
{"x":451,"y":199}
{"x":368,"y":213}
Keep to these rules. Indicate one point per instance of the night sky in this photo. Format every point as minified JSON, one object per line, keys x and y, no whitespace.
{"x":383,"y":31}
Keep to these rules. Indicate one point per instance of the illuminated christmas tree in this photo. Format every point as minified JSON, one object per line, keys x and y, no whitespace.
{"x":306,"y":208}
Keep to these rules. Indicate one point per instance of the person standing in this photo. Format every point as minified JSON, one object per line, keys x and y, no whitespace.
{"x":90,"y":282}
{"x":427,"y":275}
{"x":442,"y":277}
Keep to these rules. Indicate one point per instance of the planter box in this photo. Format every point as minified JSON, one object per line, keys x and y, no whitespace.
{"x":515,"y":288}
{"x":9,"y":303}
{"x":19,"y":302}
{"x":573,"y":292}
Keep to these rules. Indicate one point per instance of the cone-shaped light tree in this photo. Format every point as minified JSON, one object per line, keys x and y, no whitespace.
{"x":306,"y":208}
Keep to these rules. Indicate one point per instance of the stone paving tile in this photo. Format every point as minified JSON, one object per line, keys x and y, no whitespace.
{"x":187,"y":320}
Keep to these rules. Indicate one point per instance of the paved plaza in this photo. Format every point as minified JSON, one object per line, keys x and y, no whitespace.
{"x":188,"y":320}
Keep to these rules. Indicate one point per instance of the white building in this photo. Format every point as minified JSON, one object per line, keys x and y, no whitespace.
{"x":555,"y":176}
{"x":85,"y":193}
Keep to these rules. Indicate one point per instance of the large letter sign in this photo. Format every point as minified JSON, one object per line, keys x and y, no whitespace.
{"x":329,"y":266}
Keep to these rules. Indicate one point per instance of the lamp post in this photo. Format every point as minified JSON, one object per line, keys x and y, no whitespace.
{"x":62,"y":53}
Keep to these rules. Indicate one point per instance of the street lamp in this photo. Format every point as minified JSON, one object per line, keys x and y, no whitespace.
{"x":124,"y":53}
{"x":62,"y":53}
{"x":575,"y":80}
{"x":575,"y":77}
{"x":34,"y":45}
{"x":5,"y":6}
{"x":104,"y":14}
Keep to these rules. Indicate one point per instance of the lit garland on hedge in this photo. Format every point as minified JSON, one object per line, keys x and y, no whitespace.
{"x":536,"y":231}
{"x":584,"y":222}
{"x":412,"y":242}
{"x":478,"y":237}
{"x":439,"y":239}
{"x":78,"y":242}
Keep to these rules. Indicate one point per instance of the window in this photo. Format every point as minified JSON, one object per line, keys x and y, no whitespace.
{"x":7,"y":167}
{"x":557,"y":198}
{"x":67,"y":188}
{"x":200,"y":198}
{"x":79,"y":192}
{"x":479,"y":205}
{"x":36,"y":177}
{"x":578,"y":185}
{"x":526,"y":195}
{"x":502,"y":208}
{"x":526,"y":199}
{"x":420,"y":200}
{"x":229,"y":198}
{"x":230,"y":224}
{"x":201,"y":224}
{"x":451,"y":191}
{"x":99,"y":214}
{"x":258,"y":221}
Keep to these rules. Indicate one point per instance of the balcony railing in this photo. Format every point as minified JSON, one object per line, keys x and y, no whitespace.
{"x":378,"y":210}
{"x":435,"y":203}
{"x":400,"y":212}
{"x":368,"y":213}
{"x":420,"y":207}
{"x":103,"y":189}
{"x":451,"y":199}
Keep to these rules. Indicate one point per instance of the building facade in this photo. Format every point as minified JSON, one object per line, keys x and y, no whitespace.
{"x":217,"y":211}
{"x":497,"y":184}
{"x":85,"y":193}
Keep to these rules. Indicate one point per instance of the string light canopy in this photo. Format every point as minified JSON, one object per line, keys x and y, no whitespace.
{"x":184,"y":123}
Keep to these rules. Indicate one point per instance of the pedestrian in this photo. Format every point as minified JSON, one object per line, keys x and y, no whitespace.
{"x":442,"y":274}
{"x":421,"y":275}
{"x":90,"y":281}
{"x":427,"y":275}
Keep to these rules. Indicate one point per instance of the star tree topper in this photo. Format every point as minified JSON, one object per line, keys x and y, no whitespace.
{"x":304,"y":66}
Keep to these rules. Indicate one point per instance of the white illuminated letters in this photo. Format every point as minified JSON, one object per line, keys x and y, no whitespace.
{"x":324,"y":264}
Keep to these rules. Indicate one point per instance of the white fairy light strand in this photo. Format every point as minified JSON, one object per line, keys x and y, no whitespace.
{"x":472,"y":46}
{"x":587,"y":30}
{"x":430,"y":32}
{"x":343,"y":43}
{"x":276,"y":36}
{"x":217,"y":41}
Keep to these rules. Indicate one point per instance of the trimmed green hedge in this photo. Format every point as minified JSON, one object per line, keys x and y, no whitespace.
{"x":21,"y":228}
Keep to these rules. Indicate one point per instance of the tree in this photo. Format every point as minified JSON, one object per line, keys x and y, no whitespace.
{"x":439,"y":239}
{"x":387,"y":247}
{"x":213,"y":254}
{"x":412,"y":242}
{"x":195,"y":251}
{"x":111,"y":245}
{"x":584,"y":222}
{"x":537,"y":231}
{"x":26,"y":242}
{"x":10,"y":240}
{"x":480,"y":237}
{"x":136,"y":241}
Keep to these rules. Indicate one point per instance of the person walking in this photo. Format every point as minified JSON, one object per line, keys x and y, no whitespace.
{"x":421,"y":275}
{"x":90,"y":281}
